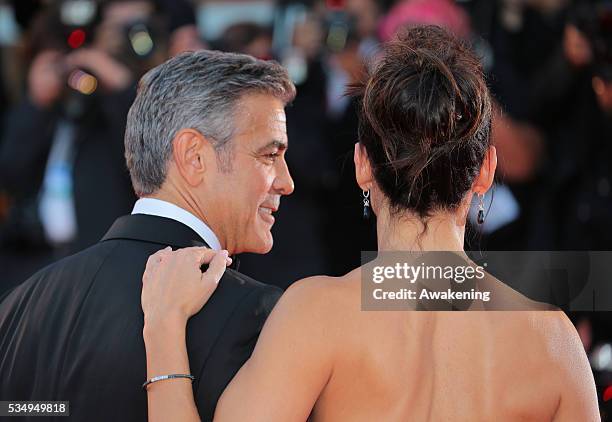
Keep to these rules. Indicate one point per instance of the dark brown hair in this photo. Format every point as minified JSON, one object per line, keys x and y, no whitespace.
{"x":425,"y":119}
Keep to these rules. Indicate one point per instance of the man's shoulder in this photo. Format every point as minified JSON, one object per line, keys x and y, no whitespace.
{"x":232,"y":320}
{"x":237,"y":309}
{"x":62,"y":270}
{"x":249,"y":284}
{"x":243,"y":292}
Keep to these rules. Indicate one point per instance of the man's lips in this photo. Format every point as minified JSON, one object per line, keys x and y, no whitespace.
{"x":266,"y":211}
{"x":271,"y":206}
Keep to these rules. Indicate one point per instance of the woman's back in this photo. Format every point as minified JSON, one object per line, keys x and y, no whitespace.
{"x":433,"y":366}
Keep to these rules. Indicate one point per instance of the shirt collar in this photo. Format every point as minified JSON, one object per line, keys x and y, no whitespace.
{"x":160,"y":208}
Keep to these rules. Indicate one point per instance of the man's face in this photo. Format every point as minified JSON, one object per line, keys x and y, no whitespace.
{"x":243,"y":198}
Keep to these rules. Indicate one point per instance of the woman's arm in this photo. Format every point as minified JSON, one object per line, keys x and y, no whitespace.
{"x":174,"y":289}
{"x":167,"y":354}
{"x":282,"y":380}
{"x":292,"y":361}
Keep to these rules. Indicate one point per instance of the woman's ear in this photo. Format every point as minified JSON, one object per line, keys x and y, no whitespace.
{"x":485,"y":178}
{"x":363,"y":169}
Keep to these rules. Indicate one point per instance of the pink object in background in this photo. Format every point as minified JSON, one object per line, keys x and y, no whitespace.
{"x":444,"y":13}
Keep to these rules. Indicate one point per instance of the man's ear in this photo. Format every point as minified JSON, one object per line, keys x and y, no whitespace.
{"x":485,"y":178}
{"x":363,"y":169}
{"x":190,"y":150}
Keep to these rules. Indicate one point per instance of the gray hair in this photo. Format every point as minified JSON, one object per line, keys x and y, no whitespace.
{"x":201,"y":91}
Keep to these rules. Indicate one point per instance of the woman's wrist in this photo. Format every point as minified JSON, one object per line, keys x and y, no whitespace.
{"x":165,"y":346}
{"x":164,"y":326}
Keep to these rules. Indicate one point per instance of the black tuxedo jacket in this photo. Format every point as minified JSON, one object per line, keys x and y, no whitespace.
{"x":73,"y":331}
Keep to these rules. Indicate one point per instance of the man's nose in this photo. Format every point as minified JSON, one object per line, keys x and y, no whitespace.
{"x":283,"y":183}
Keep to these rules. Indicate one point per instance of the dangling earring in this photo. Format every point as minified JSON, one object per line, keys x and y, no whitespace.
{"x":481,"y":214}
{"x":366,"y":204}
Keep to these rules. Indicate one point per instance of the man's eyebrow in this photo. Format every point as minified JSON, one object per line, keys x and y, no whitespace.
{"x":274,"y":144}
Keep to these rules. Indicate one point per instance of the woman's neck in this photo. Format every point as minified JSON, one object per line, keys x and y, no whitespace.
{"x":441,"y":232}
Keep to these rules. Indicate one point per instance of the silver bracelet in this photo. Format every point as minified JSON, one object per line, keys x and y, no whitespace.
{"x":167,"y":377}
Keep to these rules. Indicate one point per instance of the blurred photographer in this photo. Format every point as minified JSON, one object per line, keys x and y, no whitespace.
{"x":61,"y":156}
{"x":571,"y":102}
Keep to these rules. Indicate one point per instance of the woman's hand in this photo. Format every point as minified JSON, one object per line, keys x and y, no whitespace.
{"x":173,"y":286}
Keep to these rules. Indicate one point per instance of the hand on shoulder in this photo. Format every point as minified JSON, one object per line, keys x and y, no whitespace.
{"x":173,"y":285}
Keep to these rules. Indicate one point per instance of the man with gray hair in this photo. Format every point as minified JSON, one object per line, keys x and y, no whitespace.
{"x":205,"y":144}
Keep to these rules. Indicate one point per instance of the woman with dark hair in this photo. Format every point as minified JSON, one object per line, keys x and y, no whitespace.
{"x":424,"y":151}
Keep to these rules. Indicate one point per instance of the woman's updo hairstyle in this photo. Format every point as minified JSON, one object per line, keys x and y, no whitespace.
{"x":425,"y":120}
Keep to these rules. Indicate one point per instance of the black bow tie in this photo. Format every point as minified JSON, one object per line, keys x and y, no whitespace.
{"x":235,"y":262}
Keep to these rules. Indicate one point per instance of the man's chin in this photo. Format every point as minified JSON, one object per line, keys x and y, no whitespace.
{"x":262,"y":246}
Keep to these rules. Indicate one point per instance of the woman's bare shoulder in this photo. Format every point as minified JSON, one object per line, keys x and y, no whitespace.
{"x":548,"y":336}
{"x":569,"y":368}
{"x":559,"y":336}
{"x":323,"y":291}
{"x":322,"y":300}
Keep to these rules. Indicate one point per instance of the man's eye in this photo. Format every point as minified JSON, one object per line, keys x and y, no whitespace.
{"x":272,"y":156}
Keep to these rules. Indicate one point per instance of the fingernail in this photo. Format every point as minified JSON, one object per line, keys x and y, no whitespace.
{"x":168,"y":248}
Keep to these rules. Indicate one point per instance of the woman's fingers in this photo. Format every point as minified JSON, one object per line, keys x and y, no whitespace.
{"x":186,"y":258}
{"x":174,"y":284}
{"x":202,"y":255}
{"x":154,"y":261}
{"x":215,"y":269}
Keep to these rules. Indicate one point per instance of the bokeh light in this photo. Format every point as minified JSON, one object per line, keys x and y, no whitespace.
{"x":76,"y":38}
{"x":83,"y":82}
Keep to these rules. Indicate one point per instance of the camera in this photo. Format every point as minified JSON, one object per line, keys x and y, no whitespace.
{"x":78,"y":20}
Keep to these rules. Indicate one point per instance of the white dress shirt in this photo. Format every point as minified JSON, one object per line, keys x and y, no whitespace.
{"x":159,"y":208}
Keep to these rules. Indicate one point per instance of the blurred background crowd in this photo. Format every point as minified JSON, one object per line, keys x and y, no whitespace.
{"x":68,"y":74}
